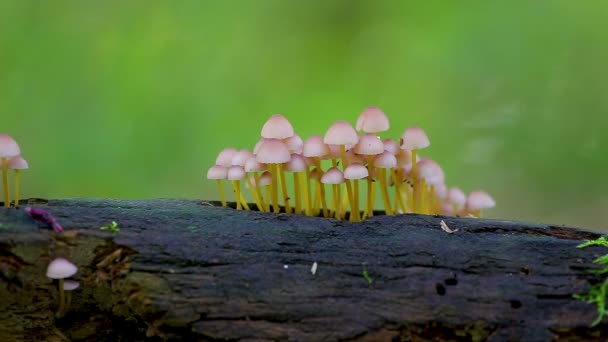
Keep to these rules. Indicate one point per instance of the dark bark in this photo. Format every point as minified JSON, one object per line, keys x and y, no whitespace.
{"x":179,"y":269}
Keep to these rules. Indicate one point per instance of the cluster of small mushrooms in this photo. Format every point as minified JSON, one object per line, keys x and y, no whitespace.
{"x":61,"y":269}
{"x":341,"y":160}
{"x":10,"y":159}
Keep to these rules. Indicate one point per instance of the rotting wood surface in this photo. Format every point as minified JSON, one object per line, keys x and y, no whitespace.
{"x":185,"y":270}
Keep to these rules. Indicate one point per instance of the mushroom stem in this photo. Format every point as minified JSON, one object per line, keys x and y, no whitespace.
{"x":17,"y":184}
{"x":298,"y":192}
{"x":415,"y":205}
{"x":398,"y":195}
{"x":284,"y":188}
{"x":220,"y":188}
{"x":322,"y":194}
{"x":61,"y":299}
{"x":384,"y":189}
{"x":369,"y":209}
{"x":68,"y":300}
{"x":258,"y":189}
{"x":336,"y":200}
{"x":351,"y":198}
{"x":315,"y":207}
{"x":237,"y":194}
{"x":5,"y":182}
{"x":349,"y":192}
{"x":307,"y":194}
{"x":356,"y":199}
{"x":254,"y":194}
{"x":244,"y":201}
{"x":274,"y":169}
{"x":432,"y":206}
{"x":421,"y":200}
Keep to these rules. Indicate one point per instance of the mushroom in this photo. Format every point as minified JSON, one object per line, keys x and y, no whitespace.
{"x":356,"y":171}
{"x":17,"y":163}
{"x":477,"y":201}
{"x":314,"y":149}
{"x":334,"y":177}
{"x":61,"y":268}
{"x":369,"y":146}
{"x":316,"y":174}
{"x":297,"y":165}
{"x":217,"y":173}
{"x":432,"y":175}
{"x":69,"y":286}
{"x":274,"y":153}
{"x":457,"y":200}
{"x":252,"y":166}
{"x":414,"y":139}
{"x":236,"y":174}
{"x":382,"y":162}
{"x":8,"y":149}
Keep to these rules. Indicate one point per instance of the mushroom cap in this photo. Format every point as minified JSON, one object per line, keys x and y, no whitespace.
{"x":478,"y":200}
{"x":252,"y":165}
{"x":8,"y":147}
{"x":332,"y":176}
{"x":273,"y":151}
{"x":297,"y":163}
{"x":352,"y":157}
{"x":414,"y":138}
{"x":266,"y":179}
{"x":431,"y":172}
{"x":355,"y":171}
{"x":391,"y":146}
{"x":315,"y":147}
{"x":61,"y":268}
{"x":385,"y":161}
{"x":372,"y":120}
{"x":70,"y":285}
{"x":369,"y":144}
{"x":277,"y":127}
{"x":225,"y":157}
{"x":341,"y":133}
{"x":17,"y":163}
{"x":294,"y":144}
{"x":236,"y":173}
{"x":217,"y":172}
{"x":441,"y":191}
{"x":240,"y":158}
{"x":457,"y":197}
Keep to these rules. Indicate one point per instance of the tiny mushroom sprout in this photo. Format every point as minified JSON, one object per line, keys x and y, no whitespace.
{"x":478,"y":201}
{"x":8,"y":149}
{"x":61,"y":269}
{"x":17,"y":163}
{"x":69,"y":286}
{"x":414,"y":139}
{"x":341,"y":157}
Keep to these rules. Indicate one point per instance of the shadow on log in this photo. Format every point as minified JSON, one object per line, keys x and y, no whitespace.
{"x":183,"y":270}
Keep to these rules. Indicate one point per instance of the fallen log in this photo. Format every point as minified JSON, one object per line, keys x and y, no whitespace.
{"x":186,"y":270}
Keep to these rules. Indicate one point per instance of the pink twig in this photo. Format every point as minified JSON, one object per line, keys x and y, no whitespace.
{"x":43,"y":216}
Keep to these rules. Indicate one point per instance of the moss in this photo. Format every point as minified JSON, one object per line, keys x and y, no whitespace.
{"x":597,"y":293}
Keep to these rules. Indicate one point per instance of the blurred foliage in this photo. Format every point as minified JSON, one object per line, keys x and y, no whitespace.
{"x":135,"y":98}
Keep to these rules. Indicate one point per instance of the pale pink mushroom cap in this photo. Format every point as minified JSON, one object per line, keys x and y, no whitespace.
{"x":273,"y":151}
{"x":61,"y":268}
{"x":385,"y":161}
{"x":277,"y":127}
{"x":8,"y":147}
{"x":431,"y":172}
{"x":217,"y":172}
{"x":315,"y":147}
{"x":294,"y":144}
{"x":17,"y":163}
{"x":332,"y":176}
{"x":457,"y":197}
{"x":391,"y":146}
{"x":240,"y":158}
{"x":70,"y":285}
{"x":479,"y":200}
{"x":225,"y":157}
{"x":441,"y":191}
{"x":256,"y":148}
{"x":265,"y":179}
{"x":236,"y":173}
{"x":252,"y":165}
{"x":446,"y":208}
{"x":369,"y":145}
{"x":414,"y":138}
{"x":297,"y":163}
{"x":355,"y":171}
{"x":372,"y":120}
{"x":341,"y":133}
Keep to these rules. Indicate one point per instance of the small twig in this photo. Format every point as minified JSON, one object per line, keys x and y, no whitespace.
{"x":447,"y":229}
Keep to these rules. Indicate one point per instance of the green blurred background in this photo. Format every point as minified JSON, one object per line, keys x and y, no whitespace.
{"x":134,"y":99}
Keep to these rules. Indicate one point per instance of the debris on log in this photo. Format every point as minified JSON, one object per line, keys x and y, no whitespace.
{"x":186,"y":270}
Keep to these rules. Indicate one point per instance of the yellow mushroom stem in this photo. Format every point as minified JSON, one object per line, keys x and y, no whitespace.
{"x":432,"y":200}
{"x":422,"y":194}
{"x":284,"y":188}
{"x":220,"y":188}
{"x":410,"y":197}
{"x":298,"y":192}
{"x":5,"y":182}
{"x":274,"y":169}
{"x":344,"y":204}
{"x":237,"y":194}
{"x":414,"y":173}
{"x":351,"y":198}
{"x":307,"y":194}
{"x":384,"y":189}
{"x":61,"y":299}
{"x":322,"y":195}
{"x":349,"y":192}
{"x":17,"y":185}
{"x":336,"y":200}
{"x":258,"y":190}
{"x":399,"y":197}
{"x":369,"y":208}
{"x":244,"y":201}
{"x":254,"y":193}
{"x":356,"y":199}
